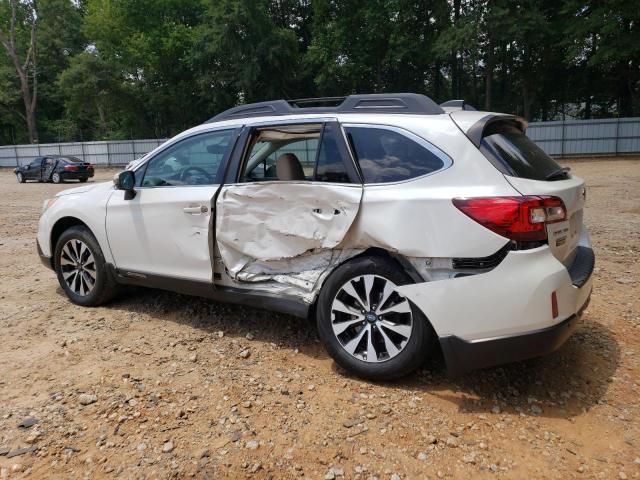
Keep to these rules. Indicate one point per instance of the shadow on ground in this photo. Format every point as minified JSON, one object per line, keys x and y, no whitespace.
{"x":562,"y":385}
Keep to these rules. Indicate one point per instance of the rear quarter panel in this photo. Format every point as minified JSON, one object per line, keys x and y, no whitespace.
{"x":416,"y":217}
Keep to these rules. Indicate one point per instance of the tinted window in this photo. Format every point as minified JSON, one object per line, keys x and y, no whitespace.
{"x":511,"y":152}
{"x":331,"y":158}
{"x":193,"y":161}
{"x":72,"y":159}
{"x":36,"y":163}
{"x":388,"y":156}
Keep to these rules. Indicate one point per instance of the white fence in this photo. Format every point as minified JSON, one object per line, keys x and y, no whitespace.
{"x":616,"y":136}
{"x":118,"y":152}
{"x":612,"y":136}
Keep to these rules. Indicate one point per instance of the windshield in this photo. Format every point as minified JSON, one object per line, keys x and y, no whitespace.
{"x":73,"y":159}
{"x":514,"y":154}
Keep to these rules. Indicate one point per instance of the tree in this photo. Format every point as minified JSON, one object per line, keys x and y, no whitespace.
{"x":22,"y":50}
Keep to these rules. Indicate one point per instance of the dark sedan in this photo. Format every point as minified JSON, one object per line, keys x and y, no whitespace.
{"x":55,"y":168}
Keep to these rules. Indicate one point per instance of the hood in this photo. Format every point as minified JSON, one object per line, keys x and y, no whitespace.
{"x":86,"y":188}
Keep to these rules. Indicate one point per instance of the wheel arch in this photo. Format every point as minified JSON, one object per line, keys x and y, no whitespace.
{"x":403,"y":264}
{"x":61,"y":225}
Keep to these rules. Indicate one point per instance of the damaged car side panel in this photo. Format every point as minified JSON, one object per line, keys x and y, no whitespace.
{"x":262,"y":227}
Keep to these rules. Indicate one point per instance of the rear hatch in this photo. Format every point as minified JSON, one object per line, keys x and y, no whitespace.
{"x":532,"y":172}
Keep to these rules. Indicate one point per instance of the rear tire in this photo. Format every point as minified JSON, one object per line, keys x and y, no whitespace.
{"x":81,"y":268}
{"x":387,"y":337}
{"x":83,"y":180}
{"x":56,"y":178}
{"x":20,"y":177}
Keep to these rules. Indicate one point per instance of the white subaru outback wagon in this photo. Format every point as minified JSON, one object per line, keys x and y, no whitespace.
{"x":402,"y":226}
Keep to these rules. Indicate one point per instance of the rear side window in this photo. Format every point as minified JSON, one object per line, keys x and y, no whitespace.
{"x":514,"y":154}
{"x":386,"y":155}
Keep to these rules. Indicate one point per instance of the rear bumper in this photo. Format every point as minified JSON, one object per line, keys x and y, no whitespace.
{"x":506,"y":314}
{"x":76,"y":175}
{"x":465,"y":355}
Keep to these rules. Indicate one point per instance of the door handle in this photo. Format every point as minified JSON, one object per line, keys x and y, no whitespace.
{"x":196,"y":210}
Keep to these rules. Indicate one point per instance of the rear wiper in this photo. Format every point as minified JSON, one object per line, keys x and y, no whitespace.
{"x":560,"y":173}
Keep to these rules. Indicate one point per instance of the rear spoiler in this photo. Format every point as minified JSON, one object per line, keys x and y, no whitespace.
{"x":478,"y":130}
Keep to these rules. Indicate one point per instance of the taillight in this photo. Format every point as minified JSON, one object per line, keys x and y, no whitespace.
{"x":522,"y":219}
{"x":70,"y":167}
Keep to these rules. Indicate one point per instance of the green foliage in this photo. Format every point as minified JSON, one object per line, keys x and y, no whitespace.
{"x":150,"y":68}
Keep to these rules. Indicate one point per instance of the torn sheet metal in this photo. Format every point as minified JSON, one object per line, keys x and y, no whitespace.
{"x":268,"y":229}
{"x":301,"y":276}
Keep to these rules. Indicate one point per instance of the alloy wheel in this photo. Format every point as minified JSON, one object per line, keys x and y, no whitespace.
{"x":78,"y":267}
{"x":370,"y":319}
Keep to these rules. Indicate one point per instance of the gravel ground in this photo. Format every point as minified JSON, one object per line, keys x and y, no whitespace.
{"x":158,"y":385}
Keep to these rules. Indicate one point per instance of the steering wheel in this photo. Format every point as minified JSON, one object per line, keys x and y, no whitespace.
{"x":184,"y":174}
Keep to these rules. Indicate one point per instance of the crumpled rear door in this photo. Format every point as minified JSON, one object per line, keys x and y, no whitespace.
{"x":276,"y":224}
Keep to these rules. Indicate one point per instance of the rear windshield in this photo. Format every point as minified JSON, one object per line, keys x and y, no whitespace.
{"x":511,"y":152}
{"x":72,"y":159}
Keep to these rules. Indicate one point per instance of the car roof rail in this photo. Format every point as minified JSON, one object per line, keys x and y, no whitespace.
{"x":407,"y":103}
{"x":457,"y":105}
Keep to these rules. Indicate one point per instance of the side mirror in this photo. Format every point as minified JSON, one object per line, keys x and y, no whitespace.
{"x":126,"y":181}
{"x":27,"y":167}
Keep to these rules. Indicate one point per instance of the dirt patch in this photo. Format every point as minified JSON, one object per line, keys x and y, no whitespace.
{"x":162,"y":385}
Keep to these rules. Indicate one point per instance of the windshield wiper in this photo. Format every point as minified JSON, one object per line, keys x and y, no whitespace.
{"x":560,"y":173}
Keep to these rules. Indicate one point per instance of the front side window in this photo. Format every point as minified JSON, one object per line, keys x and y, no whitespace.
{"x":193,"y":161}
{"x":296,"y":153}
{"x":386,"y":155}
{"x":36,"y":163}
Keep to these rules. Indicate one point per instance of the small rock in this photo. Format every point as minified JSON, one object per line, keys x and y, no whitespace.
{"x":470,"y":458}
{"x":220,"y":333}
{"x":495,"y":409}
{"x":246,"y":404}
{"x":422,"y":456}
{"x":625,"y":280}
{"x":193,"y":358}
{"x":394,"y":476}
{"x":28,"y":422}
{"x":249,"y":336}
{"x":252,"y":444}
{"x":622,"y":476}
{"x":452,"y":442}
{"x":245,"y":353}
{"x":329,"y":475}
{"x":311,"y":387}
{"x":535,"y":409}
{"x":168,"y":447}
{"x":87,"y":399}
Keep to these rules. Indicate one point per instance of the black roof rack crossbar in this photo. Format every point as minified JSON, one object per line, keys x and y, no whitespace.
{"x":407,"y":103}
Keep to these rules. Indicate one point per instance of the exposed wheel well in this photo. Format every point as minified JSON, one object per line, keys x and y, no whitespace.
{"x":60,"y":226}
{"x":403,"y":264}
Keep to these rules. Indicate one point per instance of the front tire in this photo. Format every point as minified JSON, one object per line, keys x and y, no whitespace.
{"x":366,"y":326}
{"x":56,"y":178}
{"x":20,"y":177}
{"x":81,"y":269}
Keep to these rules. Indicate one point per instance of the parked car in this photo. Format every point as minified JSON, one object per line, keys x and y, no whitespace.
{"x":401,"y":226}
{"x":55,"y":168}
